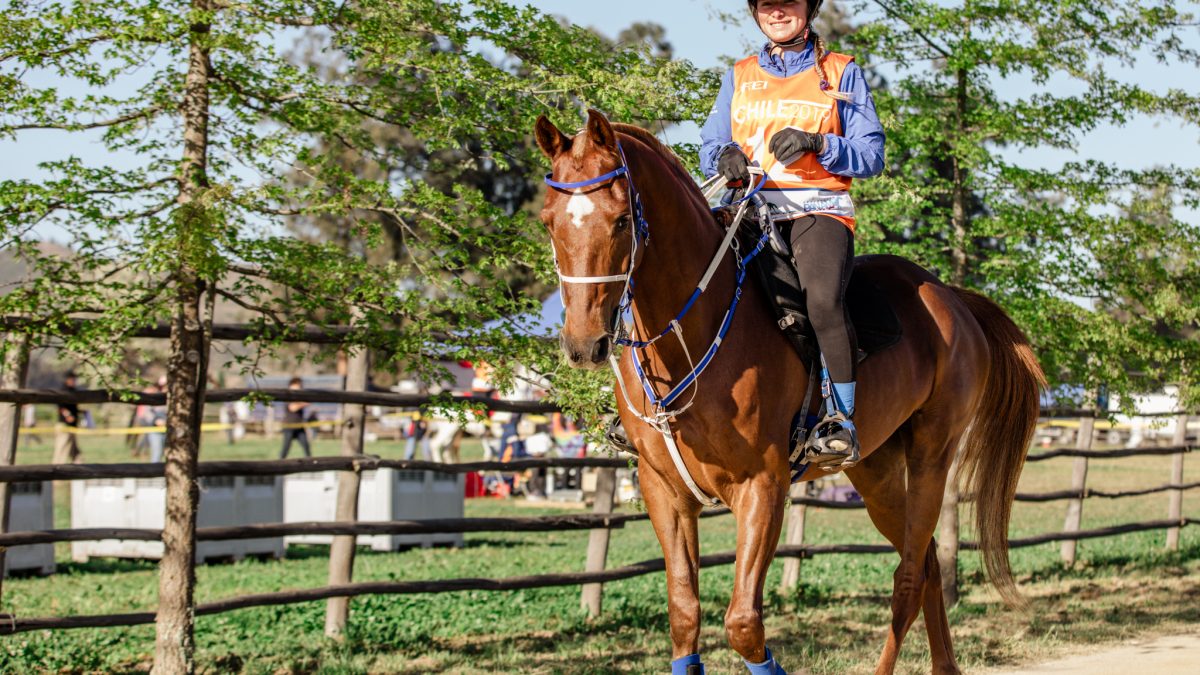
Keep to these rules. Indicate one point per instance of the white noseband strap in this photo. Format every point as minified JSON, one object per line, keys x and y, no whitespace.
{"x":593,"y":280}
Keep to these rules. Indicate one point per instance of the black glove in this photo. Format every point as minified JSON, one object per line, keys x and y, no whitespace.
{"x":789,"y":143}
{"x":734,"y":165}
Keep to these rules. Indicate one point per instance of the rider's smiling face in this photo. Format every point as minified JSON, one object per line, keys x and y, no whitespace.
{"x":782,"y":20}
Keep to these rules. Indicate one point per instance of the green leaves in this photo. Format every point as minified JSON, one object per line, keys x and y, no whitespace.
{"x":1092,"y":259}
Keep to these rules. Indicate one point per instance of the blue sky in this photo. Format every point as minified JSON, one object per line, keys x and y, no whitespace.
{"x":700,"y":37}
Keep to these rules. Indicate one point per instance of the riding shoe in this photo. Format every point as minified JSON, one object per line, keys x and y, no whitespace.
{"x":833,"y":445}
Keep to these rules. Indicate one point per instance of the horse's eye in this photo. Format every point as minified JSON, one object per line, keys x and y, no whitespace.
{"x":623,"y":222}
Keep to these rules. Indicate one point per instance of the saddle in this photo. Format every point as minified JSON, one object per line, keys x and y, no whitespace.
{"x":875,"y":322}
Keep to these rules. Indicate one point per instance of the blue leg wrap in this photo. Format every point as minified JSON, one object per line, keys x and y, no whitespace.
{"x":843,"y":394}
{"x":768,"y":667}
{"x":680,"y":665}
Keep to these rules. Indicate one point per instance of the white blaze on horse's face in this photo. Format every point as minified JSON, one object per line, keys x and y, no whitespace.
{"x":579,"y":206}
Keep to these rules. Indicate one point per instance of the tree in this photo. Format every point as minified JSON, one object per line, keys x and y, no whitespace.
{"x":1054,"y":246}
{"x":210,"y":114}
{"x":511,"y":186}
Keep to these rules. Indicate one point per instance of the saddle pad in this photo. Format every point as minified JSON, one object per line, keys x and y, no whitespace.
{"x":875,"y":322}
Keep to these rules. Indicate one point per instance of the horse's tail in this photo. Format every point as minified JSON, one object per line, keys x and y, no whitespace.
{"x":994,"y":449}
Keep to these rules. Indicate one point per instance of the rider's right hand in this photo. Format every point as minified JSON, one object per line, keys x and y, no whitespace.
{"x":734,"y":166}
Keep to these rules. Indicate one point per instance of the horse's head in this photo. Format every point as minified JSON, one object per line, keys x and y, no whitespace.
{"x":590,"y":214}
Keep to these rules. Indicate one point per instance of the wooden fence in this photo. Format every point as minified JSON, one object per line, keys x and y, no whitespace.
{"x":601,"y":523}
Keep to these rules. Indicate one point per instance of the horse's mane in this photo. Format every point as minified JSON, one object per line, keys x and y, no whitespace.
{"x":667,"y":153}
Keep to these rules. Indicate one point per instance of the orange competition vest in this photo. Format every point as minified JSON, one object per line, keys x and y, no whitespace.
{"x":764,"y":104}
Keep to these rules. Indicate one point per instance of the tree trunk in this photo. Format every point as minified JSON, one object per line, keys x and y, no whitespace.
{"x":12,"y":376}
{"x":187,"y":368}
{"x":958,"y":214}
{"x":341,"y":553}
{"x":947,"y":545}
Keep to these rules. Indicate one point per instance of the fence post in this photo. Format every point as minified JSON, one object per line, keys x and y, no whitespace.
{"x":597,"y":553}
{"x":1078,"y":486}
{"x":1175,"y":497}
{"x":341,"y":552}
{"x":12,"y":376}
{"x":947,"y":543}
{"x":797,"y":515}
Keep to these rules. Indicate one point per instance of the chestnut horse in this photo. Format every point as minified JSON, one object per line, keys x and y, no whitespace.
{"x":963,"y":379}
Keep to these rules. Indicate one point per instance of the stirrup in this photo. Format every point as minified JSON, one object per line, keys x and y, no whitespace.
{"x":617,"y":437}
{"x":833,"y":445}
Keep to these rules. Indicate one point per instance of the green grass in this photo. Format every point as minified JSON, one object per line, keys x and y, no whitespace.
{"x":833,"y":623}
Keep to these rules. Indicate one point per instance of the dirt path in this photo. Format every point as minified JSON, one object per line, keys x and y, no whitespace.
{"x":1171,"y":655}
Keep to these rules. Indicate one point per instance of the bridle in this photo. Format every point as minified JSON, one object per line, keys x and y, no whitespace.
{"x":638,"y":232}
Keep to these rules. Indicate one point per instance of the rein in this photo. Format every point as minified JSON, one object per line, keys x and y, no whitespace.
{"x":661,"y":417}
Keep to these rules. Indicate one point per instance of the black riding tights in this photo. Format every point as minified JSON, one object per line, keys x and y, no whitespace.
{"x":824,"y":252}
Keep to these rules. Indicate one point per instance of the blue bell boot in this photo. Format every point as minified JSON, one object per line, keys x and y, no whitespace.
{"x":768,"y":667}
{"x":687,"y":665}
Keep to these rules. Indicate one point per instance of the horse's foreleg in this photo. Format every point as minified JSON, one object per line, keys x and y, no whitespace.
{"x":759,"y":510}
{"x":674,"y":519}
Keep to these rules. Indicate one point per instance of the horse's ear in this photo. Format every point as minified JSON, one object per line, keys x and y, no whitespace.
{"x":600,"y":131}
{"x":552,"y":141}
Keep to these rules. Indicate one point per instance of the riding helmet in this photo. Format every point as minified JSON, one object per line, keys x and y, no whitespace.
{"x":813,"y":7}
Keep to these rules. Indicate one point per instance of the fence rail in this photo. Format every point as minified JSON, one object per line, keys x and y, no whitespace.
{"x":321,"y":335}
{"x":387,"y":399}
{"x":10,"y":624}
{"x":1111,"y":454}
{"x":282,"y":467}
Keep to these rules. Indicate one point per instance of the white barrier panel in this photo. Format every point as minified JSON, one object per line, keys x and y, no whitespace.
{"x":32,"y":509}
{"x":225,"y":501}
{"x":383,"y":495}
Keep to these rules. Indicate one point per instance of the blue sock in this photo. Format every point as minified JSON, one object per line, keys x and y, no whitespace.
{"x":768,"y":667}
{"x":680,"y":665}
{"x":843,"y":395}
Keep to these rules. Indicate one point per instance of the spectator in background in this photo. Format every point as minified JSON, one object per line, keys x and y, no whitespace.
{"x":156,"y":416}
{"x":66,"y":447}
{"x":228,"y":417}
{"x":416,"y":432}
{"x":29,"y":421}
{"x":141,"y":419}
{"x":293,"y":423}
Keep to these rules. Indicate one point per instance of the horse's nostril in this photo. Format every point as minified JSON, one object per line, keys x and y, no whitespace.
{"x":602,"y":349}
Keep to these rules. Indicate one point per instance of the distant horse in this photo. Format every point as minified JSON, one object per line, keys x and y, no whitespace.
{"x":623,"y":212}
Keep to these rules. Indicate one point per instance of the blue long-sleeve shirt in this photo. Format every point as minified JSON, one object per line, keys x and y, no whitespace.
{"x":857,"y":153}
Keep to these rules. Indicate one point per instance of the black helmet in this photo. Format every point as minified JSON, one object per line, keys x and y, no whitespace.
{"x":813,"y":7}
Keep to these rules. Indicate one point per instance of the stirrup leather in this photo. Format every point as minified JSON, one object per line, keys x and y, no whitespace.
{"x":833,"y":444}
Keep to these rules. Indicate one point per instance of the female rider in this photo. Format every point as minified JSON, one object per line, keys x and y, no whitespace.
{"x":806,"y":117}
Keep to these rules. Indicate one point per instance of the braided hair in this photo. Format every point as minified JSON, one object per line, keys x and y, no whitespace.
{"x":819,"y":47}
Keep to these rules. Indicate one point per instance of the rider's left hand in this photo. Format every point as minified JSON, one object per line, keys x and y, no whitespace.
{"x":788,"y":144}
